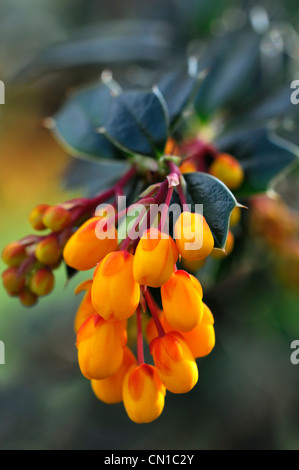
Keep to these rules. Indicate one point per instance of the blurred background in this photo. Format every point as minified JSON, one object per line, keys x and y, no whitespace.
{"x":247,"y":395}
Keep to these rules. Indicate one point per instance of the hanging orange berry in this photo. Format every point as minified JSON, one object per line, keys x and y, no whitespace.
{"x":228,"y":170}
{"x":154,"y":259}
{"x":48,"y":251}
{"x":84,"y":249}
{"x":42,"y":282}
{"x":110,"y":390}
{"x":85,"y":309}
{"x":175,"y":363}
{"x":182,"y":301}
{"x":14,"y":253}
{"x":143,"y":394}
{"x":115,"y":293}
{"x":27,"y":298}
{"x":12,"y":281}
{"x":201,"y":340}
{"x":100,"y":347}
{"x":193,"y":236}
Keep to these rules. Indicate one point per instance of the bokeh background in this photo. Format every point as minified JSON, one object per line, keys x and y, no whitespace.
{"x":247,"y":395}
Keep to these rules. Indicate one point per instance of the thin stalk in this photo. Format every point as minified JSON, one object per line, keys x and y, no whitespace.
{"x":153,"y":308}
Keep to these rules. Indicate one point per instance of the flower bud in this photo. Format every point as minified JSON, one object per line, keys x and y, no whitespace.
{"x":182,"y":301}
{"x":193,"y":236}
{"x":14,"y":253}
{"x":175,"y":363}
{"x":100,"y":347}
{"x":109,"y":390}
{"x":27,"y":298}
{"x":143,"y":394}
{"x":57,"y":218}
{"x":12,"y":281}
{"x":42,"y":282}
{"x":201,"y":340}
{"x":84,"y":249}
{"x":36,"y":216}
{"x":48,"y":251}
{"x":229,"y":246}
{"x":228,"y":170}
{"x":115,"y":293}
{"x":86,"y":309}
{"x":154,"y":259}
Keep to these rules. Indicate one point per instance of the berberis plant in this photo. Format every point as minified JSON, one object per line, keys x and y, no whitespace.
{"x":175,"y":154}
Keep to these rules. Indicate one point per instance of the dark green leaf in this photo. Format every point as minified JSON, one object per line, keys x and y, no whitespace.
{"x":138,"y":123}
{"x":217,"y":200}
{"x":262,"y":155}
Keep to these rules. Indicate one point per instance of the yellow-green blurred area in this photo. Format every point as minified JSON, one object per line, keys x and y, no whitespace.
{"x":247,"y":395}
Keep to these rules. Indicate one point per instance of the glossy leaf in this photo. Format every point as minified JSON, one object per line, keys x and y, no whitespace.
{"x":217,"y":200}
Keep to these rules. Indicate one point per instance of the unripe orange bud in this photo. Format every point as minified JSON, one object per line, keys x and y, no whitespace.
{"x":14,"y":253}
{"x":48,"y":251}
{"x":115,"y":294}
{"x":84,"y":249}
{"x":228,"y":170}
{"x":27,"y":298}
{"x":86,"y":309}
{"x":143,"y":394}
{"x":100,"y":347}
{"x":154,"y":258}
{"x":182,"y":301}
{"x":193,"y":236}
{"x":175,"y":363}
{"x":201,"y":340}
{"x":188,"y":167}
{"x":110,"y":390}
{"x":36,"y":216}
{"x":57,"y":218}
{"x":12,"y":282}
{"x":42,"y":282}
{"x":235,"y":217}
{"x":229,"y":246}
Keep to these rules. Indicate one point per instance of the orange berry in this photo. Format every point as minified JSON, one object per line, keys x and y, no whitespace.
{"x":175,"y":363}
{"x":48,"y":251}
{"x":154,"y":258}
{"x":85,"y":309}
{"x":14,"y":253}
{"x":143,"y":394}
{"x":12,"y":282}
{"x":27,"y":298}
{"x":100,"y":347}
{"x":36,"y":216}
{"x":193,"y":265}
{"x":193,"y":236}
{"x":229,"y":246}
{"x":228,"y":170}
{"x":110,"y":390}
{"x":235,"y":217}
{"x":201,"y":340}
{"x":42,"y":282}
{"x":115,"y":294}
{"x":84,"y":249}
{"x":188,"y":167}
{"x":57,"y":218}
{"x":182,"y":301}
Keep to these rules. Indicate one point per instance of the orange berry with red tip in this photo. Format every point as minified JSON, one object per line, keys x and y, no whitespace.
{"x":228,"y":170}
{"x":48,"y":251}
{"x":84,"y":249}
{"x":115,"y":293}
{"x":182,"y":301}
{"x":175,"y":363}
{"x":100,"y":347}
{"x":110,"y":390}
{"x":154,"y":259}
{"x":14,"y":253}
{"x":12,"y":281}
{"x":28,"y":298}
{"x":193,"y":236}
{"x":36,"y":216}
{"x":56,"y":218}
{"x":42,"y":282}
{"x":143,"y":394}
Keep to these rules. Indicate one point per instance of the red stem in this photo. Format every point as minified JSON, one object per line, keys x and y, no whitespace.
{"x":154,"y":310}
